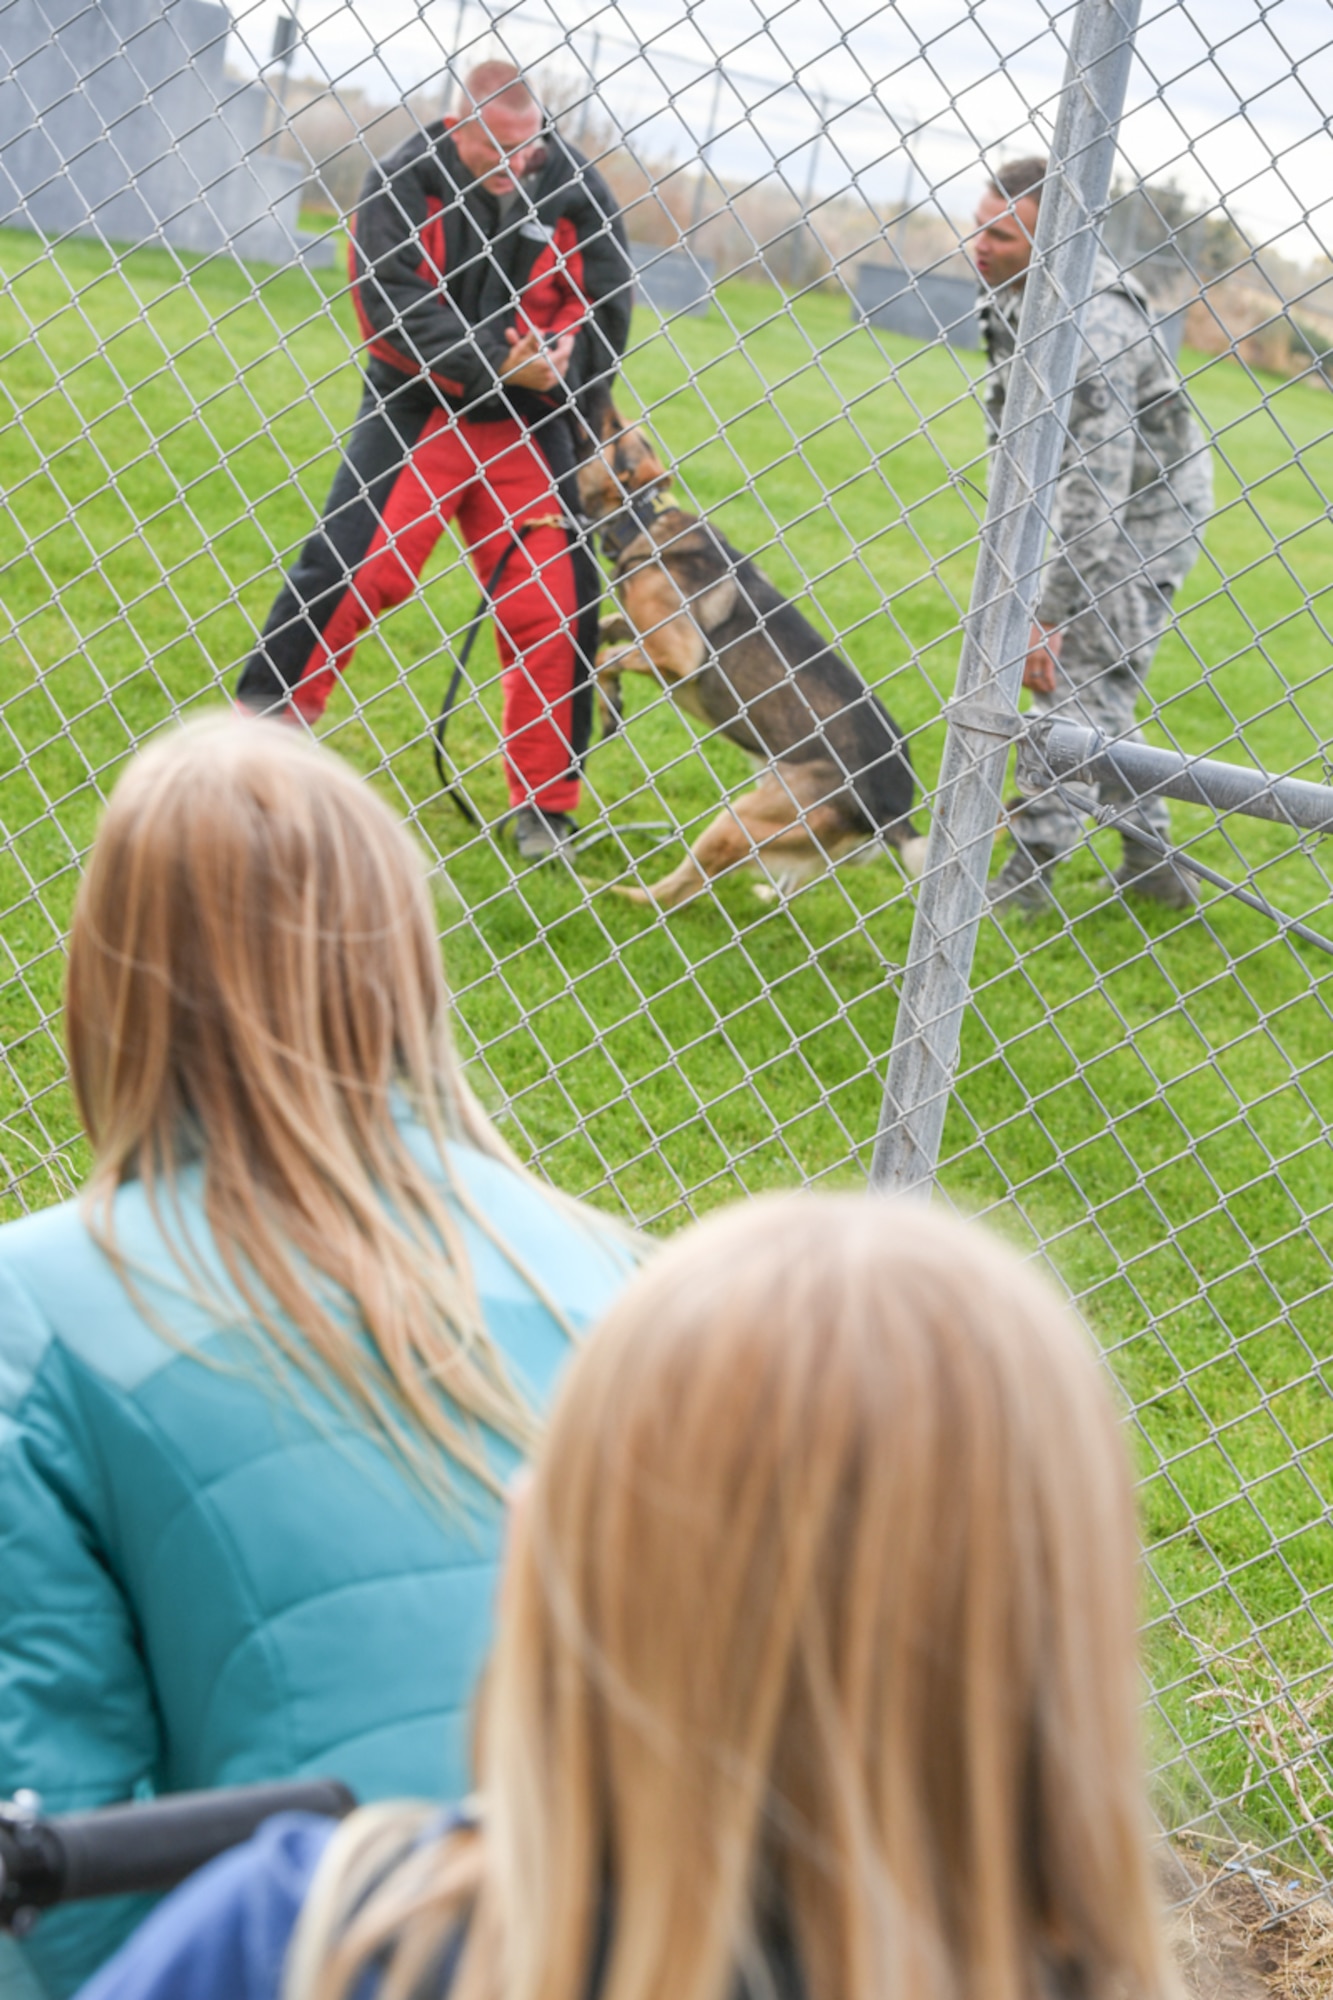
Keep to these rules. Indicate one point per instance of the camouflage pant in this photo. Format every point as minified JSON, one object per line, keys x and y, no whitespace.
{"x":1103,"y":670}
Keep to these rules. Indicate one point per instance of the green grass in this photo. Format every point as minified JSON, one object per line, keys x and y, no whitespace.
{"x":1146,"y":1098}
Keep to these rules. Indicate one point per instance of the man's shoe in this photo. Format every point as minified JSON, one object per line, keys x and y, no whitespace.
{"x":1022,"y":884}
{"x":538,"y":835}
{"x":1144,"y":872}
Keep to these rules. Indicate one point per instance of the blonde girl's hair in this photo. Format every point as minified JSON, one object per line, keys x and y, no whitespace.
{"x":255,"y":990}
{"x":818,"y":1626}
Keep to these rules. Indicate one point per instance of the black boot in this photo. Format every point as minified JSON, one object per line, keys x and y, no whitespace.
{"x":1144,"y":872}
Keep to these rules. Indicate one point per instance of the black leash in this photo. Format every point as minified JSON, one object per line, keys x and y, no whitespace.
{"x":451,"y":787}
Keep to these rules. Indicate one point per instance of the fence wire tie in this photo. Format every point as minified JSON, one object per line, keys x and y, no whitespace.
{"x":982,"y":718}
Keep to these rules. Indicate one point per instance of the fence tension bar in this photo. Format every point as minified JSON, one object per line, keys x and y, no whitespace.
{"x":1053,"y":749}
{"x":968,"y":800}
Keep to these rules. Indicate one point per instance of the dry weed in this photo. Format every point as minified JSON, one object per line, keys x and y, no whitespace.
{"x":1242,"y":1937}
{"x":1285,"y":1733}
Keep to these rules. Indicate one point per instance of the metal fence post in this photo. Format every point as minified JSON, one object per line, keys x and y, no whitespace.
{"x":984,"y":710}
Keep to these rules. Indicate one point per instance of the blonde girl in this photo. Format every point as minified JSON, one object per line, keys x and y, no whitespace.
{"x":815,"y":1673}
{"x":262,"y":1385}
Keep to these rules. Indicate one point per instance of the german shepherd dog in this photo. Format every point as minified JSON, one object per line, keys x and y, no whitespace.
{"x":706,"y":622}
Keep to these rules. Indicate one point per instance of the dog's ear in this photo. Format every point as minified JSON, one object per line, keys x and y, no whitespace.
{"x":636,"y":462}
{"x":599,"y":421}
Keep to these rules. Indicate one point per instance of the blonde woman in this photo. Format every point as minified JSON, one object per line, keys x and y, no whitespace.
{"x":263,"y":1385}
{"x":815,"y":1673}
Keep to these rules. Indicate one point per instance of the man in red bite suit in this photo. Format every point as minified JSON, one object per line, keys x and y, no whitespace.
{"x":492,"y":285}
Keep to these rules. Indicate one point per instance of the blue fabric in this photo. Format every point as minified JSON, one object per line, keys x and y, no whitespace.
{"x":209,"y":1579}
{"x":223,"y":1935}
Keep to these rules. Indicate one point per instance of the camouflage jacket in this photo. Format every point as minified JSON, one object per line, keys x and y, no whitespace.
{"x":1136,"y":478}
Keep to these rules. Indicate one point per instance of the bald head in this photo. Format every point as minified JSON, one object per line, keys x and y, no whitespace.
{"x":495,"y":83}
{"x":497,"y":135}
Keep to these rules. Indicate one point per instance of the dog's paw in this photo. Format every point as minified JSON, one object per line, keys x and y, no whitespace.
{"x":631,"y":895}
{"x":767,"y":892}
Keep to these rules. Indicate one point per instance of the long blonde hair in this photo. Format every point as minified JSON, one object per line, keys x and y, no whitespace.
{"x":255,"y":985}
{"x":818,"y":1625}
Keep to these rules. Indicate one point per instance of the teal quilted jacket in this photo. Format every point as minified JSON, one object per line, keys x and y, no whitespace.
{"x":207,"y":1581}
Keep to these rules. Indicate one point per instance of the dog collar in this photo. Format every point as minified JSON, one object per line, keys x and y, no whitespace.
{"x":634,"y":518}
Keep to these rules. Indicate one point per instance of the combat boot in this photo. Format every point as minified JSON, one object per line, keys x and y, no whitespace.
{"x":1144,"y":872}
{"x":1024,"y":881}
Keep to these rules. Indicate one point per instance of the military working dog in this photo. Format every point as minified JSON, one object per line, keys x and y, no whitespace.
{"x":706,"y":622}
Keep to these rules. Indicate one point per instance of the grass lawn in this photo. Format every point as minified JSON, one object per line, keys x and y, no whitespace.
{"x":1145,"y":1098}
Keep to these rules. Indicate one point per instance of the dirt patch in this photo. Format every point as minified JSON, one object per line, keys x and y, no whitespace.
{"x":1242,"y":1937}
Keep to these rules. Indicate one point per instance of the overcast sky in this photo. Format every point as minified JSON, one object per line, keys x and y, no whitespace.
{"x":914,"y":95}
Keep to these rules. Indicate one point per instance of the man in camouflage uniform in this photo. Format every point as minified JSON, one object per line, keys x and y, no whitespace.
{"x":1134,"y":492}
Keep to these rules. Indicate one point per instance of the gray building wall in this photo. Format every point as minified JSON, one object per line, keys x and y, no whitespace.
{"x":672,"y":281}
{"x":920,"y":304}
{"x":932,"y":308}
{"x":117,"y":121}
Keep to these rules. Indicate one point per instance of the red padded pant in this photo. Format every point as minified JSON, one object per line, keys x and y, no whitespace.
{"x":409,"y":469}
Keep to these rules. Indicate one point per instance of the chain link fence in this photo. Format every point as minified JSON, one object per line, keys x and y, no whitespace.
{"x":1141,"y":1094}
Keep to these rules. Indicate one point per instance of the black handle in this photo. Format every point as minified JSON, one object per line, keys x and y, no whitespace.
{"x":133,"y":1849}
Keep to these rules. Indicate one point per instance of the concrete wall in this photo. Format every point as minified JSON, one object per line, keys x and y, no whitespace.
{"x":116,"y":120}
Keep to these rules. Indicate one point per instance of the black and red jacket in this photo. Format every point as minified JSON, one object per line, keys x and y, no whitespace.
{"x":440,"y":268}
